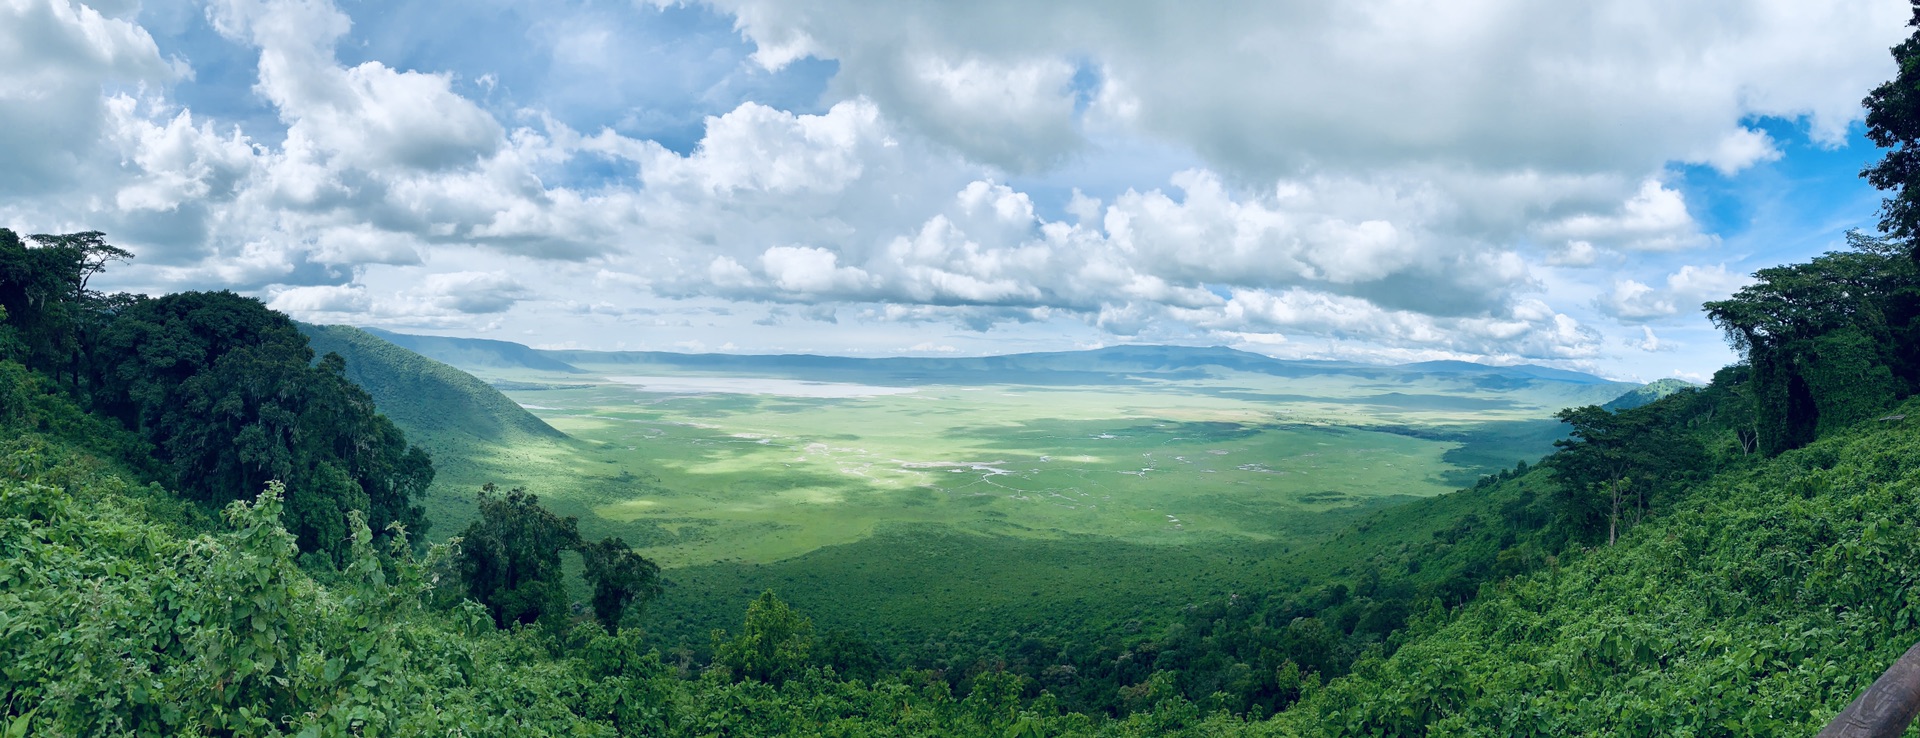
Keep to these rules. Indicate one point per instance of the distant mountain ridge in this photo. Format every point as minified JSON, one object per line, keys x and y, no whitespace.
{"x":1092,"y":366}
{"x":473,"y":352}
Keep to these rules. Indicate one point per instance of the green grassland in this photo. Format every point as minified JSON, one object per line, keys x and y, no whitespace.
{"x":696,"y":476}
{"x":911,"y":501}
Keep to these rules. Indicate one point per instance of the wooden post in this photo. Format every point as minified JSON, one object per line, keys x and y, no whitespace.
{"x":1887,"y":707}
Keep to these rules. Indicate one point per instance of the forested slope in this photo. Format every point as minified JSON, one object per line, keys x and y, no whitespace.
{"x":475,"y":434}
{"x":1758,"y":606}
{"x":437,"y":403}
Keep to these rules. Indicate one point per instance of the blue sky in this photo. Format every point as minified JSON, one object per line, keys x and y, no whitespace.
{"x":1494,"y":180}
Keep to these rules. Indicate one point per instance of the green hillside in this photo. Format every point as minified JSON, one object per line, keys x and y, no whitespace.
{"x":1757,"y":607}
{"x":475,"y":352}
{"x":435,"y":402}
{"x":475,"y":434}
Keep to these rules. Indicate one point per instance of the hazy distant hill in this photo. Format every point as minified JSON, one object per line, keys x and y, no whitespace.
{"x":471,"y":353}
{"x":1653,"y":391}
{"x":1104,"y":361}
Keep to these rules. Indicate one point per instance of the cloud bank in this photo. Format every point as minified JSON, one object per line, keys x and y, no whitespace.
{"x":1485,"y":180}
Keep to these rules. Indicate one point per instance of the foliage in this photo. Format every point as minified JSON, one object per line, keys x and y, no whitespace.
{"x":222,"y":387}
{"x":1893,"y":123}
{"x":43,"y":290}
{"x":621,"y":579}
{"x":111,"y":623}
{"x":1758,"y":606}
{"x":510,"y":560}
{"x":774,"y":645}
{"x":1829,"y":342}
{"x":1613,"y":459}
{"x":114,"y":623}
{"x":510,"y":556}
{"x":217,"y":389}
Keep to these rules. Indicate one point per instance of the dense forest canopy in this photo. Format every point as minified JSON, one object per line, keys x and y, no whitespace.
{"x":223,"y":391}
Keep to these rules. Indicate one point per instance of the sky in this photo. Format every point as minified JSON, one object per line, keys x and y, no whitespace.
{"x":1502,"y":181}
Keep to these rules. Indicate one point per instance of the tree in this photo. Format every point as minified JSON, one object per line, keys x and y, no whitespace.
{"x":227,"y":391}
{"x":1893,"y":123}
{"x":510,"y":556}
{"x":1624,"y":461}
{"x":1829,"y":342}
{"x":44,"y":286}
{"x":775,"y":643}
{"x":620,"y":579}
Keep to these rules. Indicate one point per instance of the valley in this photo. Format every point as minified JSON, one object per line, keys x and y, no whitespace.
{"x":900,"y":498}
{"x":771,"y":459}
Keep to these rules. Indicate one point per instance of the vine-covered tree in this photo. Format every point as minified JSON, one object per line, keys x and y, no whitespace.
{"x":1829,"y":341}
{"x":621,"y":580}
{"x":510,"y":556}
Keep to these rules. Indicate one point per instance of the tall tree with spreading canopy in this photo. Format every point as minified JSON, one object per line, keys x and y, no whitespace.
{"x":510,"y":556}
{"x":1615,"y":465}
{"x":510,"y":560}
{"x":1893,"y":123}
{"x":43,"y":284}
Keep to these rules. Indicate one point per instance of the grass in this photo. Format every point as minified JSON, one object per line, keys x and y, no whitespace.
{"x":697,"y":479}
{"x":907,"y":507}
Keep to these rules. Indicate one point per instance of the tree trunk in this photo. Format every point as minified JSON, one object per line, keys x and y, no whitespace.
{"x":1613,"y":522}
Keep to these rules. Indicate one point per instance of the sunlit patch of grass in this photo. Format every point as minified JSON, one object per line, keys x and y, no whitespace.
{"x":1158,"y":463}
